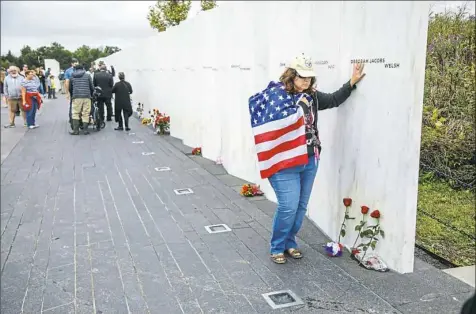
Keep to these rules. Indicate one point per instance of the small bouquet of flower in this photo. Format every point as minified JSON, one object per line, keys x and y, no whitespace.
{"x":140,"y":109}
{"x":250,"y":190}
{"x":334,"y":249}
{"x":146,"y":121}
{"x":161,"y":123}
{"x":197,"y":151}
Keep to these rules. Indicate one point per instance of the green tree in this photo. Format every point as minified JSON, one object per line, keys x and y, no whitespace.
{"x":8,"y":60}
{"x":60,"y":54}
{"x":165,"y":14}
{"x":207,"y":4}
{"x":448,"y":136}
{"x":109,"y":50}
{"x":36,"y":57}
{"x":28,"y":56}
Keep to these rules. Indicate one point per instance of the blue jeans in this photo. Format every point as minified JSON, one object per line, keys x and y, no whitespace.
{"x":31,"y":114}
{"x":293,"y":188}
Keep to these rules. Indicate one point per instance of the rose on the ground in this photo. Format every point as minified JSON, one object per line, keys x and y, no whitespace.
{"x":372,"y":233}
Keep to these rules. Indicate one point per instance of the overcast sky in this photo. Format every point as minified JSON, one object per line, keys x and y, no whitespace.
{"x":92,"y":23}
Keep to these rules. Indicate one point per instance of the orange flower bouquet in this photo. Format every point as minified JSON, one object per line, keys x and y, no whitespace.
{"x":197,"y":151}
{"x":250,"y":190}
{"x":161,"y":122}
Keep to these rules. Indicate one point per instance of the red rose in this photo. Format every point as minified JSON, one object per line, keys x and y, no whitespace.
{"x":355,"y":251}
{"x":364,"y":210}
{"x":347,"y":202}
{"x":375,"y":214}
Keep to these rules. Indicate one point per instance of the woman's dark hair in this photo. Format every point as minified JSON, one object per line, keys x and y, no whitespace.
{"x":122,"y":76}
{"x":287,"y":78}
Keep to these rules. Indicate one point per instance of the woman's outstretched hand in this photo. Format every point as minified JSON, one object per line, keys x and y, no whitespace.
{"x":357,"y":74}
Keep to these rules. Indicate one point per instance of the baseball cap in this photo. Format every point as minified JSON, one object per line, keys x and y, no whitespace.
{"x":303,"y":66}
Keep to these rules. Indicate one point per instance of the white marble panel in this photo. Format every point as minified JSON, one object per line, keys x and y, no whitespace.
{"x":203,"y":71}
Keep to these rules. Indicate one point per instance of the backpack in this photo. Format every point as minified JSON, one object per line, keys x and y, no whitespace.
{"x":61,"y":77}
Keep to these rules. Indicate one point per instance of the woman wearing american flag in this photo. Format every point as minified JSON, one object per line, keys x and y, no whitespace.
{"x":284,"y":122}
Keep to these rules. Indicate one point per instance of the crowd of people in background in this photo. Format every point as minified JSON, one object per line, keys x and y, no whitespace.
{"x":23,"y":92}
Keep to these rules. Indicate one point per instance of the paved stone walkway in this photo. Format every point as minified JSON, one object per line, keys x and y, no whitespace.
{"x":88,"y":226}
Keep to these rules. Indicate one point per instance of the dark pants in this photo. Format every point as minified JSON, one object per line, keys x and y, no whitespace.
{"x":70,"y":109}
{"x":51,"y":93}
{"x":119,"y":113}
{"x":101,"y":102}
{"x":42,"y":81}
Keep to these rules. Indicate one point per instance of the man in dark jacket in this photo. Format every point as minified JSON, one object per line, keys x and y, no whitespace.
{"x":104,"y":79}
{"x":81,"y":89}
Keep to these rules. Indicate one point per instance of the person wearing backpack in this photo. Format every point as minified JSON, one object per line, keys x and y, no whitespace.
{"x":61,"y":79}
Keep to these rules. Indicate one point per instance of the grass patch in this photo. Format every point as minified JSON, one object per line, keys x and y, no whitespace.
{"x":456,"y":208}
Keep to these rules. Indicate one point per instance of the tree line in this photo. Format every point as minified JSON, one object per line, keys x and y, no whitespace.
{"x":36,"y":57}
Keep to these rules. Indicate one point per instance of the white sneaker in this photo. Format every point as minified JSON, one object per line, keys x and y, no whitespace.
{"x":33,"y":126}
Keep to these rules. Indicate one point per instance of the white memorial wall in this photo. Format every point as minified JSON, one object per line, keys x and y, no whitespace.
{"x":55,"y":70}
{"x":203,"y":71}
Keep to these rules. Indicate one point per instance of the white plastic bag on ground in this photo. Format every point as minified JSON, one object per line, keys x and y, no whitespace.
{"x":371,"y":260}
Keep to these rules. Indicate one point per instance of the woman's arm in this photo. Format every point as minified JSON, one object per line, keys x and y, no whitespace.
{"x":114,"y":88}
{"x":335,"y":99}
{"x":23,"y":95}
{"x":328,"y":101}
{"x":130,"y":87}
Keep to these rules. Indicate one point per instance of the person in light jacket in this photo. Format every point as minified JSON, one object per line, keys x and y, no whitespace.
{"x":31,"y":97}
{"x":12,"y":91}
{"x":122,"y":102}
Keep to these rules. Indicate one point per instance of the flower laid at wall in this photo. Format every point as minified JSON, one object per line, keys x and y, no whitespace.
{"x":370,"y":238}
{"x":146,"y":121}
{"x":250,"y":190}
{"x":364,"y":210}
{"x":347,"y":203}
{"x":140,"y":109}
{"x":335,"y":248}
{"x":197,"y":151}
{"x":372,"y":232}
{"x":161,"y":123}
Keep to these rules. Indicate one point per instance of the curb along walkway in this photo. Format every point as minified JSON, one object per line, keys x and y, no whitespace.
{"x":89,"y":226}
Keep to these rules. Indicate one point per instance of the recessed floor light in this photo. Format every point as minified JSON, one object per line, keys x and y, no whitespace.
{"x":183,"y":191}
{"x":162,"y":169}
{"x":282,"y":299}
{"x":138,"y":142}
{"x":219,"y":228}
{"x":148,"y":153}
